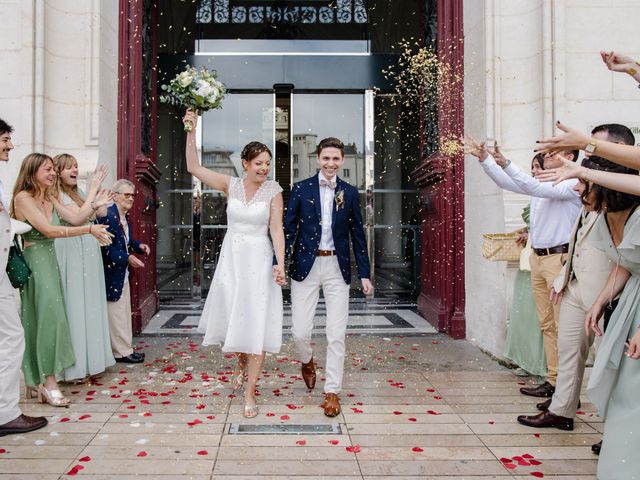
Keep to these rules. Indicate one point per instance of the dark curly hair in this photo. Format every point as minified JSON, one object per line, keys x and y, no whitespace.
{"x":605,"y":198}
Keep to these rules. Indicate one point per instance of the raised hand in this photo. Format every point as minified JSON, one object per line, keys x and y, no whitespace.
{"x":99,"y":174}
{"x":567,"y":171}
{"x":103,"y":198}
{"x":472,"y":147}
{"x":617,"y":62}
{"x":571,"y":139}
{"x":496,"y":153}
{"x":190,"y":121}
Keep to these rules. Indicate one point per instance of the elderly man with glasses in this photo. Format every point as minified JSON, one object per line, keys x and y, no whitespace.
{"x":117,"y":259}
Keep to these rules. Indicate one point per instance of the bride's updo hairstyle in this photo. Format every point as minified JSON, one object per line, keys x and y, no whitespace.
{"x":252,"y":149}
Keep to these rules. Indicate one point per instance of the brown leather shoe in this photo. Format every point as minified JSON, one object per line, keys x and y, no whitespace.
{"x":543,"y":390}
{"x":331,"y":405}
{"x":22,"y":424}
{"x":546,"y":420}
{"x":543,"y":406}
{"x":309,"y":374}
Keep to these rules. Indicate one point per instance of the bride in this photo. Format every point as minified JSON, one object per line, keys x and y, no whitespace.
{"x":243,"y":310}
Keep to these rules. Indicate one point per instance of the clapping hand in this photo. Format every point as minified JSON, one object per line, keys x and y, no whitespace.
{"x":99,"y":174}
{"x":571,"y":139}
{"x":103,"y":198}
{"x":497,"y":155}
{"x":567,"y":171}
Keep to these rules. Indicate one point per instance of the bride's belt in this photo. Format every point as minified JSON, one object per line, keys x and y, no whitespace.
{"x":238,"y":231}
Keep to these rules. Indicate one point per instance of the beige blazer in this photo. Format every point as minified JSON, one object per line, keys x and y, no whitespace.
{"x":585,"y":263}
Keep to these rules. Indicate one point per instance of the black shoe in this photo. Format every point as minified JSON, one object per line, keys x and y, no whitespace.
{"x":595,"y":448}
{"x":130,"y":359}
{"x":543,"y":390}
{"x":546,"y":420}
{"x":22,"y":424}
{"x":544,"y":406}
{"x":137,"y":355}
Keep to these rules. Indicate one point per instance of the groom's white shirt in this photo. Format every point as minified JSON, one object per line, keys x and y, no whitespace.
{"x":326,"y":207}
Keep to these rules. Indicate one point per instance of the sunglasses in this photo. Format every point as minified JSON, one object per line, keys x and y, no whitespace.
{"x":126,"y":195}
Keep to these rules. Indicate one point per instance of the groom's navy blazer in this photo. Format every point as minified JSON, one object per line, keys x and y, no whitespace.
{"x":303,"y":229}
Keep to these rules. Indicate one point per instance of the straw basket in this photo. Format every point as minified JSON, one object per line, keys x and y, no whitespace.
{"x":498,"y":247}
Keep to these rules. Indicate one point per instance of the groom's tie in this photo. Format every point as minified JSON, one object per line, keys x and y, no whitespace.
{"x":325,"y":183}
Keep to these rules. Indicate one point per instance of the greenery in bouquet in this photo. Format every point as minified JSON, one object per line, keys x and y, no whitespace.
{"x":194,"y":89}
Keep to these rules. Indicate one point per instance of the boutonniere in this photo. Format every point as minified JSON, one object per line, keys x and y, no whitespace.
{"x":339,"y":197}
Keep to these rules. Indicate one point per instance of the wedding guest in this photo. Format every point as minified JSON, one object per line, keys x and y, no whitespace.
{"x":12,"y":420}
{"x":117,"y":258}
{"x":615,"y":379}
{"x":48,"y":349}
{"x":577,"y":286}
{"x":243,"y":310}
{"x":524,"y":344}
{"x":554,"y":209}
{"x":81,"y":270}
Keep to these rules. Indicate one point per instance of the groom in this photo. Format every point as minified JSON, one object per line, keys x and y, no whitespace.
{"x":322,"y":213}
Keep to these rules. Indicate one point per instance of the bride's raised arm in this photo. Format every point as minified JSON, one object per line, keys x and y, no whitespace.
{"x":217,"y":181}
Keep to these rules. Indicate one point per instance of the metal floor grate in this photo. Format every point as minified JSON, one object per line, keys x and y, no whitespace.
{"x":318,"y":429}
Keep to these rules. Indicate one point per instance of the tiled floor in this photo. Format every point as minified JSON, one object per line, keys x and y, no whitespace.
{"x":413,"y":407}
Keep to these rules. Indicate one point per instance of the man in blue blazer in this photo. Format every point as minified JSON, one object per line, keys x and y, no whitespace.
{"x":117,"y":260}
{"x":323,"y":213}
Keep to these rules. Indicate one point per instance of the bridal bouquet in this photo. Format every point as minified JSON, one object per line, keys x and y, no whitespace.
{"x":194,"y":89}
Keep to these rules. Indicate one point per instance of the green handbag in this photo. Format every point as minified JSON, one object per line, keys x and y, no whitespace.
{"x":17,"y":269}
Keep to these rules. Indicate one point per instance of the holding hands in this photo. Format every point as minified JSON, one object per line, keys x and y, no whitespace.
{"x":279,"y":275}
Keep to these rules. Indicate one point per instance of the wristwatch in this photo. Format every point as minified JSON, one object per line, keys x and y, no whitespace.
{"x":507,"y":163}
{"x":591,"y":146}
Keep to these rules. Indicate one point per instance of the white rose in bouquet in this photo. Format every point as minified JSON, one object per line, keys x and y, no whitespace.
{"x":194,"y":89}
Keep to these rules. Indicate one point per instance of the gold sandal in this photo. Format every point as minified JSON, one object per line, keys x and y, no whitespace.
{"x":237,"y":381}
{"x":52,"y":397}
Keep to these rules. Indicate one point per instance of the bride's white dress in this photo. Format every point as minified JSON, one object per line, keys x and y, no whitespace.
{"x":244,"y":306}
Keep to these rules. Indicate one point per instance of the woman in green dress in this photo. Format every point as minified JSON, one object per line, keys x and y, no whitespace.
{"x":80,"y":263}
{"x":48,"y":347}
{"x":524,"y":346}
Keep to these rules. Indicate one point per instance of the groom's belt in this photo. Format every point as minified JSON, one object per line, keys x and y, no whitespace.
{"x":549,"y":251}
{"x":325,"y":253}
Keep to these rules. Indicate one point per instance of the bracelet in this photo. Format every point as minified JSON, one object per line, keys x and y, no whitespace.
{"x":632,"y":71}
{"x":90,"y":225}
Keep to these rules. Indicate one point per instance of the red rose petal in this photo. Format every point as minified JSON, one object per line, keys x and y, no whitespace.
{"x":211,"y":417}
{"x":285,"y":417}
{"x":65,"y":419}
{"x":85,"y":459}
{"x":2,"y":450}
{"x":84,"y":417}
{"x":203,"y":452}
{"x":124,"y":415}
{"x":353,"y":449}
{"x":270,"y":414}
{"x":537,"y":474}
{"x":537,"y":435}
{"x":535,"y":462}
{"x":397,"y":413}
{"x":527,"y":455}
{"x":201,"y":407}
{"x":523,"y":463}
{"x":510,"y":466}
{"x":142,"y":454}
{"x":412,"y":419}
{"x":417,"y":449}
{"x":433,"y":412}
{"x":334,"y":442}
{"x":505,"y":460}
{"x":301,"y":442}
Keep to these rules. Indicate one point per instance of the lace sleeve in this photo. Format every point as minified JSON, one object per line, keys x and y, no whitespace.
{"x":235,"y":188}
{"x":270,"y":190}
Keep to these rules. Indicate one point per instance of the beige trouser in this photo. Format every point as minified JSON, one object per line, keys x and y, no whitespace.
{"x":120,"y":324}
{"x":573,"y":350}
{"x":544,"y":270}
{"x":324,"y":274}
